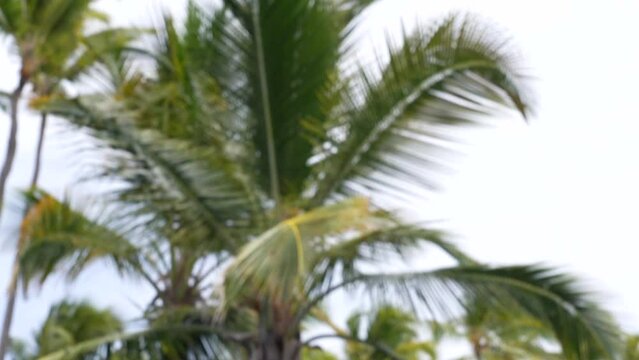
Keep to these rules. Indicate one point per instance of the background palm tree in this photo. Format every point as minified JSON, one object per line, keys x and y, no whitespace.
{"x":495,"y":334}
{"x":52,"y":48}
{"x":36,"y":29}
{"x":392,"y":328}
{"x":245,"y":163}
{"x":69,"y":323}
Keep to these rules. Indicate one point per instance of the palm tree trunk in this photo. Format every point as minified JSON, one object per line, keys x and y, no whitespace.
{"x":12,"y":142}
{"x":15,"y":272}
{"x":38,"y":157}
{"x":477,"y":349}
{"x":12,"y":292}
{"x":274,"y":347}
{"x":276,"y":343}
{"x":4,"y":175}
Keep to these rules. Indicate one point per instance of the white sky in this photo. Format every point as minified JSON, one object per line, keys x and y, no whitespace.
{"x":562,"y":190}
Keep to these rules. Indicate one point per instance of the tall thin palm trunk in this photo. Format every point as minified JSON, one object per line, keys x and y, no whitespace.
{"x":4,"y":175}
{"x":38,"y":156}
{"x":12,"y":292}
{"x":12,"y":141}
{"x":15,"y":270}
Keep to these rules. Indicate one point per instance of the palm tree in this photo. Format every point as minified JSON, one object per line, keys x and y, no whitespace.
{"x":494,"y":334}
{"x":392,"y":328}
{"x":80,"y":56}
{"x":69,"y":323}
{"x":49,"y":41}
{"x":246,"y":162}
{"x":38,"y":30}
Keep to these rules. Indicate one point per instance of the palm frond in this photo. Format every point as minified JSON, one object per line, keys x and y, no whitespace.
{"x":53,"y":235}
{"x":96,"y":46}
{"x":275,"y":59}
{"x":73,"y":322}
{"x":583,"y":329}
{"x":496,"y":332}
{"x":10,"y":16}
{"x":98,"y":15}
{"x":158,"y":342}
{"x":385,"y":242}
{"x":48,"y":37}
{"x":276,"y":264}
{"x":393,"y":124}
{"x":181,"y":103}
{"x":57,"y":19}
{"x":169,"y":181}
{"x":379,"y":245}
{"x":389,"y":326}
{"x":48,"y":31}
{"x":353,"y":8}
{"x":380,"y":349}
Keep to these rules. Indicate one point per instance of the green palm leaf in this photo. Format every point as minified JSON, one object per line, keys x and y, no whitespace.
{"x":495,"y":333}
{"x":10,"y":16}
{"x":391,"y":327}
{"x":291,"y":248}
{"x":52,"y":234}
{"x":140,"y":344}
{"x":43,"y":32}
{"x":169,"y":179}
{"x":379,"y":246}
{"x":448,"y":75}
{"x":353,"y":8}
{"x":96,"y":46}
{"x":271,"y":80}
{"x":69,"y":323}
{"x":385,"y":242}
{"x":581,"y":327}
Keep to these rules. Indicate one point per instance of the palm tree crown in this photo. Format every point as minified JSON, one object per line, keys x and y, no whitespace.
{"x":247,"y":159}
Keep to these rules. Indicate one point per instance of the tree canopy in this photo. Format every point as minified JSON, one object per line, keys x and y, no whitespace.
{"x":253,"y":157}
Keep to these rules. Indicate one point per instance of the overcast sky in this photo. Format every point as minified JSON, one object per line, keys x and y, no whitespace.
{"x":561,"y":190}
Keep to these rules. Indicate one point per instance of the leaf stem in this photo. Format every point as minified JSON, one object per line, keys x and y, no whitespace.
{"x":266,"y":109}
